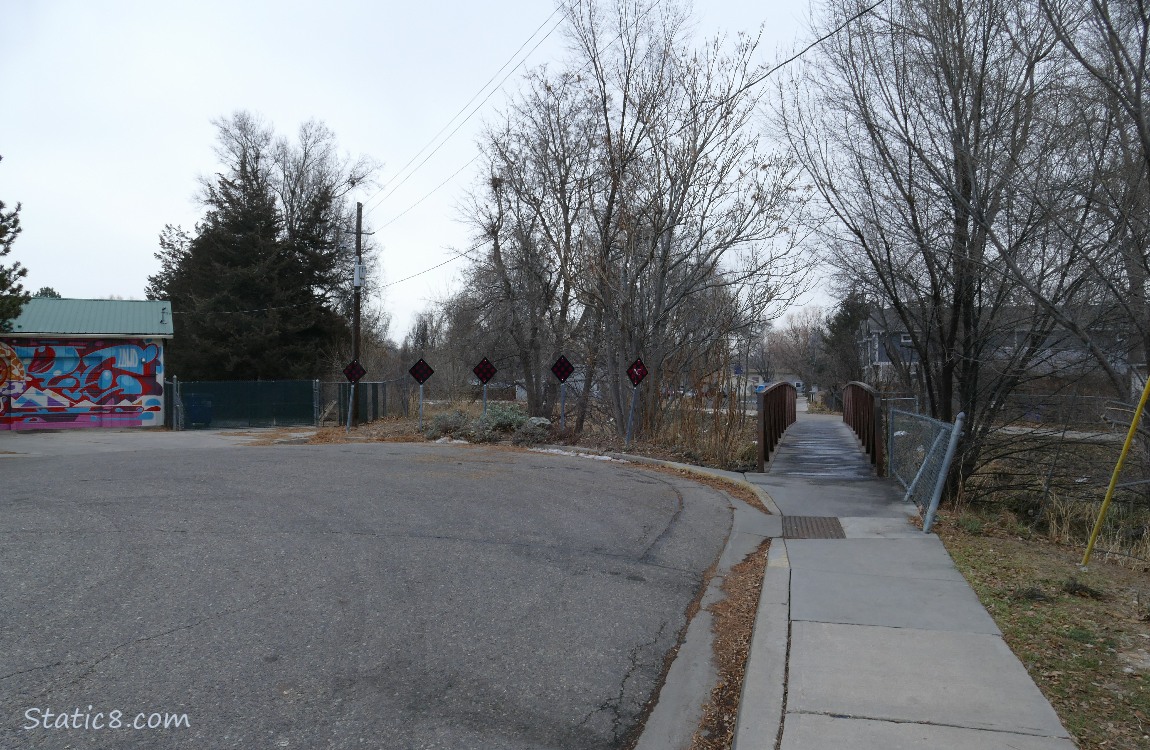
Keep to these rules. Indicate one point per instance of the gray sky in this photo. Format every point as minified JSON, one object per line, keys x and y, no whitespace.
{"x":108,"y":108}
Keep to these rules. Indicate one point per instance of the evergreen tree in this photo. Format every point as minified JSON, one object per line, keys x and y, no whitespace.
{"x":842,"y":359}
{"x":260,"y":287}
{"x":12,"y":294}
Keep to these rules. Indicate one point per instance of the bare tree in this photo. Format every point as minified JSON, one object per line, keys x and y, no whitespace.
{"x":627,"y":208}
{"x":1109,"y":40}
{"x":929,"y":129}
{"x":530,"y":216}
{"x":797,"y":344}
{"x":685,"y":200}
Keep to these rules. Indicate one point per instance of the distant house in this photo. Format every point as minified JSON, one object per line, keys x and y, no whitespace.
{"x":73,"y":363}
{"x":884,"y":343}
{"x":888,"y":352}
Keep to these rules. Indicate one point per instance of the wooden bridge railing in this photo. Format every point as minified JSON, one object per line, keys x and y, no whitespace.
{"x":776,"y":414}
{"x":862,"y":411}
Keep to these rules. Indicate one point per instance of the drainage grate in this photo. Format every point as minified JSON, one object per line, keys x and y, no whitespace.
{"x":812,"y":527}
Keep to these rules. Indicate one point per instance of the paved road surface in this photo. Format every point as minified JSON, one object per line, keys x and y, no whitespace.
{"x":343,"y":596}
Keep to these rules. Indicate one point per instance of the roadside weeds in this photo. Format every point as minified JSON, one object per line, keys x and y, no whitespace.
{"x":733,"y":627}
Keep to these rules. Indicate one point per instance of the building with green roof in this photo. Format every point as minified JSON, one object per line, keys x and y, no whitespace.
{"x":75,"y":363}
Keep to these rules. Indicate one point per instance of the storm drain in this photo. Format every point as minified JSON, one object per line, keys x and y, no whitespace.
{"x":812,"y":527}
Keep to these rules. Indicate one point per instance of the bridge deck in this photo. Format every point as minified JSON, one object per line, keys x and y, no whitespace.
{"x":819,"y":469}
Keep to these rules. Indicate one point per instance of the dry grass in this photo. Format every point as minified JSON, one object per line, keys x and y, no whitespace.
{"x":1084,"y":636}
{"x":710,"y":433}
{"x":693,"y":432}
{"x":1056,"y":488}
{"x":1123,"y":538}
{"x":733,"y":627}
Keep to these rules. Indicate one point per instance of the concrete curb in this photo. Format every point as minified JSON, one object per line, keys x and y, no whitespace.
{"x":730,"y":476}
{"x":693,"y":674}
{"x":765,"y":678}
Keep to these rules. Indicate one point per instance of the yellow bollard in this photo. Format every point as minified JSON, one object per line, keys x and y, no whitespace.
{"x":1117,"y":471}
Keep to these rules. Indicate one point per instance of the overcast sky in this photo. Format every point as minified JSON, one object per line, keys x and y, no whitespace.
{"x":107,"y":110}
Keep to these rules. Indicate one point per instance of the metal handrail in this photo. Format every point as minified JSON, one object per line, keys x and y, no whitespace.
{"x":776,"y":413}
{"x":862,"y":411}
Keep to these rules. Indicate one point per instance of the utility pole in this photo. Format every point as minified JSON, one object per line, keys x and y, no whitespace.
{"x":357,"y":281}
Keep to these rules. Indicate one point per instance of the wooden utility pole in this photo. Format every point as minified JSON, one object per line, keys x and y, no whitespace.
{"x":357,"y":280}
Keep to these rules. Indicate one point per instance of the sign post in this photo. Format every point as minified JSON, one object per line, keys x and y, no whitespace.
{"x":357,"y":285}
{"x":421,"y":371}
{"x":562,"y":369}
{"x":636,"y":372}
{"x":350,"y":409}
{"x":353,"y":372}
{"x":485,"y":371}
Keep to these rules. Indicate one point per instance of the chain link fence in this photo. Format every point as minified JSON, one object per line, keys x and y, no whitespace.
{"x":240,"y":403}
{"x":195,"y":404}
{"x":920,"y":452}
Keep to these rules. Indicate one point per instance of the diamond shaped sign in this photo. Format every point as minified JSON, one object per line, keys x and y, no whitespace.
{"x":562,"y":368}
{"x":421,"y":371}
{"x":485,"y":371}
{"x":354,"y":371}
{"x":637,"y":371}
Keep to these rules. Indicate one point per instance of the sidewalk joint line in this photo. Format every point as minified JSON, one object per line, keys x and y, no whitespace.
{"x":888,"y":720}
{"x":787,"y":658}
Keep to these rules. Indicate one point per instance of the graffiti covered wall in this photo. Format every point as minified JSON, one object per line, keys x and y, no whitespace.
{"x":72,"y":383}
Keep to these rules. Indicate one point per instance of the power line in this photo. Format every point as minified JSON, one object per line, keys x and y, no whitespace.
{"x":455,"y":257}
{"x":465,"y":107}
{"x":240,"y":312}
{"x":489,"y":95}
{"x":804,"y":50}
{"x":465,"y":120}
{"x":431,"y":192}
{"x":751,"y":84}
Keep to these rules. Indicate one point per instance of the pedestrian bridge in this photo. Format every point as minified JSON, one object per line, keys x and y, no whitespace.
{"x":819,"y":469}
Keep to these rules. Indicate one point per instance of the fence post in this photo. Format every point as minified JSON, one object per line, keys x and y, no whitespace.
{"x":890,"y":440}
{"x":956,"y":432}
{"x":877,"y":432}
{"x":177,"y":405}
{"x":762,"y":432}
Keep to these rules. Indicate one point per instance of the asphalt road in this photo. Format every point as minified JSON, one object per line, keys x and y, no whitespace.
{"x":342,"y":596}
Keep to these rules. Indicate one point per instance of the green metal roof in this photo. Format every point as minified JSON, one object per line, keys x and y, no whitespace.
{"x":94,"y":317}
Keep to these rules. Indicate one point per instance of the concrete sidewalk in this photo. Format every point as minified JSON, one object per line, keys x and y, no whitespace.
{"x":873,"y":640}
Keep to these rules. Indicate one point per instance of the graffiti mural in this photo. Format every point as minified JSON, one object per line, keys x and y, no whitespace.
{"x":69,"y":383}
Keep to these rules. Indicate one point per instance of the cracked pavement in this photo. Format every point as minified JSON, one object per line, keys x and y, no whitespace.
{"x":351,"y":595}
